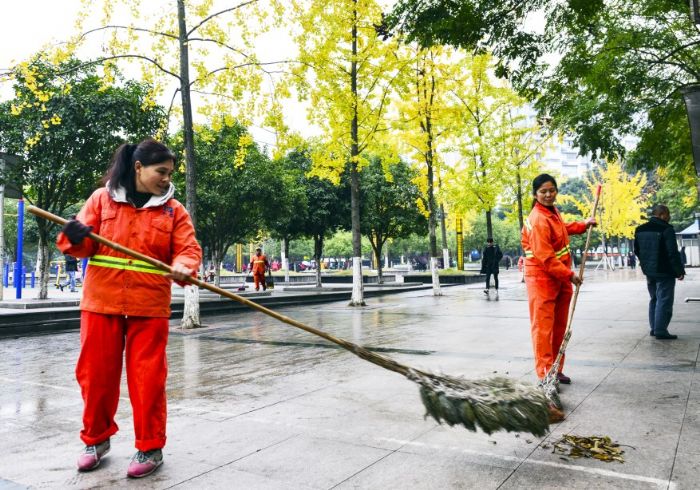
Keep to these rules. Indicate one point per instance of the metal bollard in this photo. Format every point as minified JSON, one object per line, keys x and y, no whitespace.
{"x":33,"y":280}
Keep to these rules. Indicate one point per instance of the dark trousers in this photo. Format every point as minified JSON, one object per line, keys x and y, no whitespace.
{"x":661,"y":303}
{"x":488,"y":279}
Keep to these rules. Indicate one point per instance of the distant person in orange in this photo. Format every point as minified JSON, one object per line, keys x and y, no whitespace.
{"x":548,"y":274}
{"x":258,"y":266}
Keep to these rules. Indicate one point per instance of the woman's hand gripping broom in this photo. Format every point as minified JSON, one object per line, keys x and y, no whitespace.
{"x":492,"y":404}
{"x":549,"y":383}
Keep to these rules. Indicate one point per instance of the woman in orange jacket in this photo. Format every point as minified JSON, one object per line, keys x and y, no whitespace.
{"x":548,"y":274}
{"x":126,"y":302}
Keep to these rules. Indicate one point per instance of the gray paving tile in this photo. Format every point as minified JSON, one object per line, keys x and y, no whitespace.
{"x":436,"y":470}
{"x":686,"y":470}
{"x":309,"y":461}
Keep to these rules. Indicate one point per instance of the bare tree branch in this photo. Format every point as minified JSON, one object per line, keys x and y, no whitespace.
{"x":138,"y":29}
{"x":172,"y":101}
{"x":119,"y":56}
{"x":224,"y":45}
{"x":230,"y":9}
{"x":242,"y":65}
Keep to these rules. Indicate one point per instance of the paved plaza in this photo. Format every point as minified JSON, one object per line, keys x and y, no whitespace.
{"x":256,"y":404}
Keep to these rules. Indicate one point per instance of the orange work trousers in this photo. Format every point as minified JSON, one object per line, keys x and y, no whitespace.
{"x":259,"y":279}
{"x":104,"y":339}
{"x":549,"y":301}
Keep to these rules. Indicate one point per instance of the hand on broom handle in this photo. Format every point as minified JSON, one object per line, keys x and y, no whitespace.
{"x":567,"y":335}
{"x":359,"y":351}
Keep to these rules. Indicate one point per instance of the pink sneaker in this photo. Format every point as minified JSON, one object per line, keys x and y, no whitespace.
{"x":145,"y":463}
{"x":92,"y":455}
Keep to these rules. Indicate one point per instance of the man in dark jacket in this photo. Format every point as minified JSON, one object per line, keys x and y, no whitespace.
{"x":71,"y":269}
{"x":490,"y":258}
{"x":655,"y":245}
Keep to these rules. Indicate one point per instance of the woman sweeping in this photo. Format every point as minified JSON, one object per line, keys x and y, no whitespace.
{"x":548,"y":274}
{"x":126,"y":302}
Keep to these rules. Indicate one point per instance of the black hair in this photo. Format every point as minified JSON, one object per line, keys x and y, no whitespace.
{"x":122,"y":173}
{"x":489,"y":240}
{"x":539,"y":180}
{"x":659,"y":209}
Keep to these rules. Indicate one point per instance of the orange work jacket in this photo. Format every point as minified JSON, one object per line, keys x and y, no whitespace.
{"x":545,"y":241}
{"x":258,"y":264}
{"x":116,"y":284}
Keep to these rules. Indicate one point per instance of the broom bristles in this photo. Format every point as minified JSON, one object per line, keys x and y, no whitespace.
{"x":491,"y":404}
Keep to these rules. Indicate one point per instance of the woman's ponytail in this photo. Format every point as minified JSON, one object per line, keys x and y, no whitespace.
{"x":122,"y":172}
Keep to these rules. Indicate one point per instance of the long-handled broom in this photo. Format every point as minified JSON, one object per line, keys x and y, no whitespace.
{"x":549,"y":384}
{"x":493,"y":404}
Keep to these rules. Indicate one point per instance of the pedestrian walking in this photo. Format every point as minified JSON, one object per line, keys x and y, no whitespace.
{"x":259,"y":265}
{"x":71,"y":270}
{"x":490,"y":258}
{"x":126,"y":302}
{"x":631,"y":260}
{"x":655,"y":245}
{"x":684,"y":257}
{"x":548,"y":274}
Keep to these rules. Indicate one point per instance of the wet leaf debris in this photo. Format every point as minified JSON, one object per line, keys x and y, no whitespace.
{"x":599,"y":447}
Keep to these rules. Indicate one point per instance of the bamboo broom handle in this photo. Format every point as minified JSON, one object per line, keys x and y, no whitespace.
{"x":567,"y":334}
{"x":359,"y":351}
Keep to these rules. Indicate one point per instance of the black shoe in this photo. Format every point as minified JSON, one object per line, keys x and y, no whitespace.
{"x":665,"y":336}
{"x":651,"y":333}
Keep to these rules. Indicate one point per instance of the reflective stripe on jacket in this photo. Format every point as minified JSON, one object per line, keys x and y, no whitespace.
{"x":545,"y":241}
{"x":117,"y":284}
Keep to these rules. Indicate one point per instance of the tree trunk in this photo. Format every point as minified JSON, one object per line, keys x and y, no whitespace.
{"x":519,"y":194}
{"x":489,"y":225}
{"x":190,"y":318}
{"x":217,"y":259}
{"x":432,"y":224}
{"x":443,"y":230}
{"x":318,"y":253}
{"x":376,"y":242}
{"x":607,"y":260}
{"x":43,"y":264}
{"x":285,"y":259}
{"x":357,"y":298}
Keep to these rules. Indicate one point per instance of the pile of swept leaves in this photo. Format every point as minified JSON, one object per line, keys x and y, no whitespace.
{"x":492,"y":404}
{"x":598,"y":447}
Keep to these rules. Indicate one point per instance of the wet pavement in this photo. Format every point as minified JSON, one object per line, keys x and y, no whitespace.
{"x":253,"y":403}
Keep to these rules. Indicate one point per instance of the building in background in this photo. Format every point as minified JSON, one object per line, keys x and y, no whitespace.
{"x":562,"y":156}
